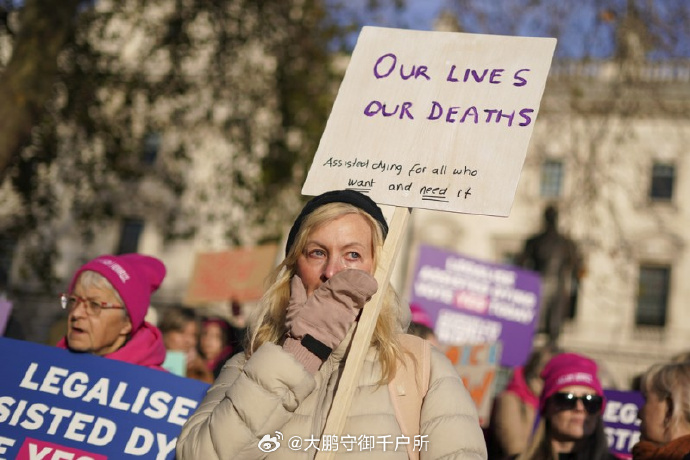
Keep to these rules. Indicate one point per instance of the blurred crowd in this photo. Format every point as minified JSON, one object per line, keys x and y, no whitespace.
{"x":204,"y":343}
{"x":552,"y":407}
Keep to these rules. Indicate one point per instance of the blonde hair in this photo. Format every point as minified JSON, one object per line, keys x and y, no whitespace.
{"x":268,"y":322}
{"x":671,"y":381}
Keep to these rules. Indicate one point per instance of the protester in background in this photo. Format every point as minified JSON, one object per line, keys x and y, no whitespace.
{"x":287,"y":378}
{"x":665,"y":415}
{"x":571,"y":405}
{"x":180,"y":328}
{"x":515,"y":409}
{"x":216,"y":344}
{"x":106,"y":303}
{"x":421,"y":325}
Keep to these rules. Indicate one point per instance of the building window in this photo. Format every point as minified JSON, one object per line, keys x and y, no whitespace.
{"x":551,"y":178}
{"x":129,"y":236}
{"x":663,"y":176}
{"x":152,"y":144}
{"x":652,"y":295}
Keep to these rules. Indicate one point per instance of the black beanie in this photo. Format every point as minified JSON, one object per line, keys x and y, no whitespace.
{"x":357,"y":199}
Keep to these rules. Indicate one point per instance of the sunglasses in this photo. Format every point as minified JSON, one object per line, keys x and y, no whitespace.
{"x":568,"y":401}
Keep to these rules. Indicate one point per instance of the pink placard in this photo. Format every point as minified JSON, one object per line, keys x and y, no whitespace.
{"x":34,"y":448}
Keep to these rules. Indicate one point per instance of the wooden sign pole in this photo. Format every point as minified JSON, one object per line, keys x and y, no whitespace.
{"x":365,"y":329}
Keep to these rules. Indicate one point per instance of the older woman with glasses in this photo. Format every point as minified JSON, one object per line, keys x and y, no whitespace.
{"x":571,"y":405}
{"x":665,"y":415}
{"x":106,"y":303}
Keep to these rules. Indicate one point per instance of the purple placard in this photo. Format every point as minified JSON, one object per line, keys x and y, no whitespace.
{"x":472,"y":301}
{"x":620,"y":421}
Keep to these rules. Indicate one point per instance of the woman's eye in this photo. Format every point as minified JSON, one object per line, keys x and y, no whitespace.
{"x":95,"y":305}
{"x":317,"y":253}
{"x":354,"y":255}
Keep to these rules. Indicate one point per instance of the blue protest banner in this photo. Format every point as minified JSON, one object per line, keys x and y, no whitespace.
{"x":620,"y":421}
{"x":57,"y":404}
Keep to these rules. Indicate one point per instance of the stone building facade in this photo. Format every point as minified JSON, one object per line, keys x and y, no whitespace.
{"x":610,"y":151}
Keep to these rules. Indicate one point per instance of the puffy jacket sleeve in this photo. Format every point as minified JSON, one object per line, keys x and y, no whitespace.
{"x":449,"y":416}
{"x":250,"y":398}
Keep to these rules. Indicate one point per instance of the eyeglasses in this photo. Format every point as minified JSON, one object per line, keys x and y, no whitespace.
{"x":93,"y":307}
{"x":568,"y":401}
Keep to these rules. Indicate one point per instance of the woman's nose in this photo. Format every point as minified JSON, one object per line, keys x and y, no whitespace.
{"x":79,"y":310}
{"x":333,"y":266}
{"x":579,"y":405}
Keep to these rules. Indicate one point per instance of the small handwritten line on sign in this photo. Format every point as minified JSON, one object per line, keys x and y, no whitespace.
{"x":362,"y":190}
{"x":434,"y":198}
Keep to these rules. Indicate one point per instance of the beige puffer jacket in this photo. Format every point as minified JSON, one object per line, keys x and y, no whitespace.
{"x":273,"y":392}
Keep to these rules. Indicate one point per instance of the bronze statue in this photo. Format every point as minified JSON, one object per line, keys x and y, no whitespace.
{"x":557,"y":260}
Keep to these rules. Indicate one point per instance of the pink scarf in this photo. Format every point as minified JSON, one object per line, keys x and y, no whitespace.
{"x":519,"y":386}
{"x":144,"y":348}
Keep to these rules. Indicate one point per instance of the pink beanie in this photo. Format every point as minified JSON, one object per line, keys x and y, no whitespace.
{"x":567,"y":369}
{"x":134,"y":276}
{"x":420,"y":316}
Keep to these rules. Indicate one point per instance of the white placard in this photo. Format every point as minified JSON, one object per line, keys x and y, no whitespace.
{"x":435,"y":120}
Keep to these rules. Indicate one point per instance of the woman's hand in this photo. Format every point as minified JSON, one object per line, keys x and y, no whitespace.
{"x":328,"y":313}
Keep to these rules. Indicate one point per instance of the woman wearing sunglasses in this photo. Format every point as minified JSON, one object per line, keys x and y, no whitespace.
{"x":571,"y":405}
{"x":106,"y":303}
{"x":665,"y":415}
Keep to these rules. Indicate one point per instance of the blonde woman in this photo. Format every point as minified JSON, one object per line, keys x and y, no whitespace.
{"x":665,"y":415}
{"x":281,"y":389}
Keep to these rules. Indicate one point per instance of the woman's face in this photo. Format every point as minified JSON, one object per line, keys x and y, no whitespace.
{"x":99,"y":334}
{"x":653,"y":416}
{"x":211,"y":342}
{"x":183,"y":339}
{"x":572,"y":424}
{"x":344,"y":242}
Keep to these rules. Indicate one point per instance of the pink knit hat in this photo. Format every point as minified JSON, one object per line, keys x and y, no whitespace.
{"x":567,"y":369}
{"x":420,"y":316}
{"x":134,"y":276}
